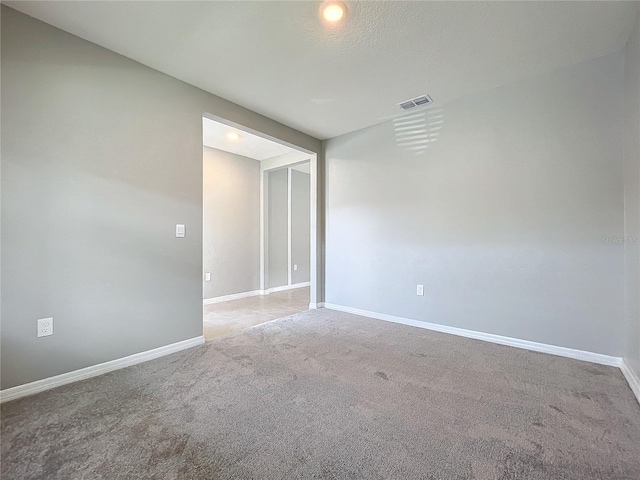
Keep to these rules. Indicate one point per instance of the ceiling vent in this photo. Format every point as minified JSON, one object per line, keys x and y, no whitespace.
{"x":415,"y":102}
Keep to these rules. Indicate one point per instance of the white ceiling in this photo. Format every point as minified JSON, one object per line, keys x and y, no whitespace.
{"x":277,"y":58}
{"x":215,"y":135}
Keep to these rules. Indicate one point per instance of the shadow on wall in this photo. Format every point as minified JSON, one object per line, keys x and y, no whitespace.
{"x":417,"y":130}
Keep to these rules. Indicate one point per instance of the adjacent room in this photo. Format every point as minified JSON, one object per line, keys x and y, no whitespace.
{"x":320,"y":240}
{"x":256,"y":229}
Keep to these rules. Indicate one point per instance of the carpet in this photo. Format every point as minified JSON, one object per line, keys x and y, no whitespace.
{"x":329,"y":395}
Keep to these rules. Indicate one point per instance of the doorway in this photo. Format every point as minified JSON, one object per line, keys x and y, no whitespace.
{"x":258,"y":228}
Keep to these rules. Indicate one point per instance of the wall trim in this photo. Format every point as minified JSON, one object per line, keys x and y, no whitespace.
{"x":286,"y":287}
{"x":488,"y":337}
{"x":253,"y":293}
{"x":233,"y":296}
{"x":632,"y":379}
{"x":38,"y":386}
{"x":289,"y":262}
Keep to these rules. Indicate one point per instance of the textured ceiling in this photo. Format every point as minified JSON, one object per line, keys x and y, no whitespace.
{"x":277,"y":58}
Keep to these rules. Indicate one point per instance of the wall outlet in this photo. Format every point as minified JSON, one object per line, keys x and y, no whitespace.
{"x":45,"y":327}
{"x":420,"y":290}
{"x":295,"y":267}
{"x":207,"y":277}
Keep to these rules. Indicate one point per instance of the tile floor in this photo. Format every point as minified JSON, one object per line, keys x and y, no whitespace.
{"x":235,"y":315}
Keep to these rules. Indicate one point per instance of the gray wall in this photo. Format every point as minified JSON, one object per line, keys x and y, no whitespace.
{"x":300,"y":208}
{"x":101,"y":157}
{"x":632,"y":198}
{"x":277,"y":228}
{"x":501,"y":216}
{"x":231,"y":223}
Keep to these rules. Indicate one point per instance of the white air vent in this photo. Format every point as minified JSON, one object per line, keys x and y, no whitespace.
{"x":415,"y":102}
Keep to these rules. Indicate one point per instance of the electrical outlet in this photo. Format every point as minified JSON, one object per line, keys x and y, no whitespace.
{"x":420,"y":290}
{"x":295,"y":267}
{"x":207,"y":277}
{"x":45,"y":327}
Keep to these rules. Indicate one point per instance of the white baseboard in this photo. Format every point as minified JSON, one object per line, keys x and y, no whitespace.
{"x":95,"y":370}
{"x":632,"y":379}
{"x":253,"y":293}
{"x":314,"y":306}
{"x":286,"y":287}
{"x":488,"y":337}
{"x":234,"y":296}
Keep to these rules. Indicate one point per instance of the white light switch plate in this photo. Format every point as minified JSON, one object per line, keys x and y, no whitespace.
{"x":180,"y":231}
{"x":295,"y":267}
{"x":420,"y":290}
{"x":45,"y":327}
{"x":207,"y":277}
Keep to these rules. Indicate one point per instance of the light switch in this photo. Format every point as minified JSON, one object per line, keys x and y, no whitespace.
{"x":180,"y":230}
{"x":295,"y":267}
{"x":207,"y":277}
{"x":420,"y":290}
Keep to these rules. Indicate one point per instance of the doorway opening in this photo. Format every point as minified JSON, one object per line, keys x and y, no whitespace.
{"x":259,"y":218}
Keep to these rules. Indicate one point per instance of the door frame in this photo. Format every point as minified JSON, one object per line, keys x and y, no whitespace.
{"x":313,"y":202}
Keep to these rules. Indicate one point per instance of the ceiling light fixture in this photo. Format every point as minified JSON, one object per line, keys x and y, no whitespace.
{"x":333,"y":11}
{"x":233,"y":136}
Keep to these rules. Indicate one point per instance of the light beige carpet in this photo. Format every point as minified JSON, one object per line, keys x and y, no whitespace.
{"x":330,"y":395}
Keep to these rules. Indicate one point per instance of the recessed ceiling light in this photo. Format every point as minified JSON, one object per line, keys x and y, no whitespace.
{"x":233,"y":136}
{"x":333,"y":11}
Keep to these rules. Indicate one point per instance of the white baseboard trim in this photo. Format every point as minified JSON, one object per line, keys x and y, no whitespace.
{"x":488,"y":337}
{"x":632,"y":379}
{"x":95,"y":370}
{"x":253,"y":293}
{"x":234,"y":296}
{"x":286,"y":287}
{"x":315,"y":306}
